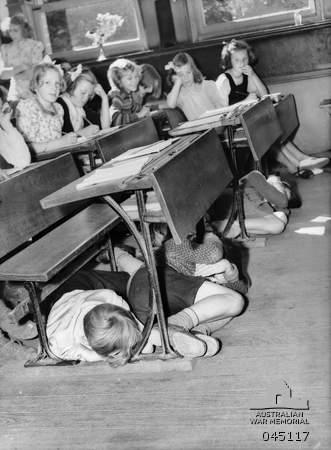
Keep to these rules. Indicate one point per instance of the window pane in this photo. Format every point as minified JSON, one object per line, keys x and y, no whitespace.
{"x":218,"y":11}
{"x":67,"y":27}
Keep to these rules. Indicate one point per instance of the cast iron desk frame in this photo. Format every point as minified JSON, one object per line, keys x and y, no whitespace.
{"x":165,"y":174}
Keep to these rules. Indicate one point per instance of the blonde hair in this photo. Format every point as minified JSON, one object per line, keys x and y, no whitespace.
{"x":112,"y":332}
{"x":38,"y":74}
{"x":86,"y":74}
{"x":118,"y":69}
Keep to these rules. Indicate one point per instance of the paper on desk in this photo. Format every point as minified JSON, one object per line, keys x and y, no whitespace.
{"x":113,"y":173}
{"x":314,"y":231}
{"x":227,"y":109}
{"x":107,"y":130}
{"x":197,"y":122}
{"x":321,"y":219}
{"x":144,"y":150}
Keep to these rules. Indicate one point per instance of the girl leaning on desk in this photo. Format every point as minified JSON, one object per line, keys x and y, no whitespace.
{"x":239,"y":83}
{"x":47,"y":122}
{"x":81,"y":87}
{"x":40,"y":118}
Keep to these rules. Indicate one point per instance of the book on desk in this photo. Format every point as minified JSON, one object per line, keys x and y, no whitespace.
{"x":128,"y":164}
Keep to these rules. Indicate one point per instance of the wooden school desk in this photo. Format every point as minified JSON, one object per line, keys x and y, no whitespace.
{"x":261,"y":127}
{"x":223,"y":120}
{"x":187,"y":177}
{"x":109,"y":143}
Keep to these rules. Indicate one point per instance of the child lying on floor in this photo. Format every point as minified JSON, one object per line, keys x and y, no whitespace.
{"x":91,"y":321}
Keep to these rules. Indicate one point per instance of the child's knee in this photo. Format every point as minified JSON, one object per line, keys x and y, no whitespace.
{"x":276,"y":225}
{"x":237,"y":304}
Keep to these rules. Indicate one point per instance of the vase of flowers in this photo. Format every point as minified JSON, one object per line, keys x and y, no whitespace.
{"x":107,"y":25}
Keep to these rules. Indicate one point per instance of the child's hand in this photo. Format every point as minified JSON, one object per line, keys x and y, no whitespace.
{"x":251,"y":96}
{"x":247,"y":70}
{"x":69,"y":138}
{"x":177,"y":79}
{"x":143,"y":112}
{"x":5,"y":116}
{"x":3,"y":175}
{"x":98,"y":90}
{"x":88,"y":131}
{"x":206,"y":270}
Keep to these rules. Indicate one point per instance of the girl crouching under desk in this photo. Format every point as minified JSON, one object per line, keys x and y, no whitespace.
{"x":91,"y":321}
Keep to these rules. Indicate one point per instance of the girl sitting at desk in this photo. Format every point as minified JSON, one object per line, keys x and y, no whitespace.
{"x":13,"y":148}
{"x":239,"y":83}
{"x":126,"y":101}
{"x":82,"y":85}
{"x":190,"y":91}
{"x":40,"y":118}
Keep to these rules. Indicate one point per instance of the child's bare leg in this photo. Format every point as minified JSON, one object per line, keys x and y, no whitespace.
{"x":292,"y":155}
{"x":269,"y":224}
{"x":213,"y":301}
{"x":303,"y":161}
{"x":294,"y":151}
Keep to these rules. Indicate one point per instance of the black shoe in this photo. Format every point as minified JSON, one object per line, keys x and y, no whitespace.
{"x":304,"y":173}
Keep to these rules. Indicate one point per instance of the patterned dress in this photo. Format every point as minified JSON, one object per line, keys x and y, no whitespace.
{"x":124,"y":107}
{"x":36,"y":124}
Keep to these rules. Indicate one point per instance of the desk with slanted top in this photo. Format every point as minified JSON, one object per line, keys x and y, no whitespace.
{"x":108,"y":144}
{"x":222,"y":120}
{"x":187,"y":178}
{"x":261,"y":128}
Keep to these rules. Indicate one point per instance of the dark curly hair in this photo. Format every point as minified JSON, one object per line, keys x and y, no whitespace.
{"x":231,"y":47}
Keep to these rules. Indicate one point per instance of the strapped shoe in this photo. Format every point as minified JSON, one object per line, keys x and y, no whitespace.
{"x":185,"y":343}
{"x":213,"y":344}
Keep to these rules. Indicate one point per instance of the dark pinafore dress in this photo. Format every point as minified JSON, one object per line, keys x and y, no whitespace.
{"x":238,"y":92}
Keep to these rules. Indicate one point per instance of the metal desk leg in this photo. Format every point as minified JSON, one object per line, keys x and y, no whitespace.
{"x":237,"y":208}
{"x":45,"y":356}
{"x":156,"y":306}
{"x":153,"y":277}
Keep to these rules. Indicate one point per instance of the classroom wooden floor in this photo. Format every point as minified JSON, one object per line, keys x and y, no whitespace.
{"x":281,"y":345}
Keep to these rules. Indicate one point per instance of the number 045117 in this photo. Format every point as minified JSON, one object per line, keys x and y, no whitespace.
{"x":286,"y":436}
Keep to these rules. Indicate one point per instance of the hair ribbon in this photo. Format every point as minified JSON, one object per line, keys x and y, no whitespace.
{"x":75,"y":73}
{"x":47,"y":60}
{"x":170,"y":66}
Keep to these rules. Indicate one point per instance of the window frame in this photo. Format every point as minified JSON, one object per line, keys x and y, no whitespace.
{"x":200,"y":31}
{"x":39,"y":8}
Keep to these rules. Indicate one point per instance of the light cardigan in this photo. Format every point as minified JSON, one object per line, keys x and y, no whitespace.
{"x":198,"y":98}
{"x":12,"y":145}
{"x":65,"y":329}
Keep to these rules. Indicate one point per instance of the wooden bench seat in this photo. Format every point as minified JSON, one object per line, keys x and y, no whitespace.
{"x":44,"y":258}
{"x":42,"y":249}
